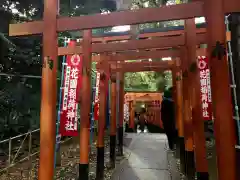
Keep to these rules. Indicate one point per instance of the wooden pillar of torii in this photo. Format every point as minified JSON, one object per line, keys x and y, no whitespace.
{"x":113,"y":122}
{"x":179,"y":112}
{"x":85,"y":102}
{"x":177,"y":97}
{"x":201,"y":164}
{"x":103,"y":69}
{"x":131,"y":116}
{"x":174,"y":80}
{"x":188,"y":134}
{"x":121,"y":112}
{"x":190,"y":40}
{"x":224,"y":126}
{"x":48,"y":101}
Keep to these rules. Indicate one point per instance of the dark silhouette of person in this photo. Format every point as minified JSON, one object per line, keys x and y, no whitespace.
{"x":142,"y":119}
{"x":168,"y":117}
{"x":136,"y":121}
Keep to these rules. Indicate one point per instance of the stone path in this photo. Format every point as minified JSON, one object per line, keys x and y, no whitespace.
{"x":147,"y":159}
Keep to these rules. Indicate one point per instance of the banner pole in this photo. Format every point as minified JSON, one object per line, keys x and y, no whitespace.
{"x":117,"y":104}
{"x":58,"y":136}
{"x":92,"y":106}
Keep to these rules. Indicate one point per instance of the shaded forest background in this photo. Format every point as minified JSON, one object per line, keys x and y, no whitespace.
{"x":20,"y":58}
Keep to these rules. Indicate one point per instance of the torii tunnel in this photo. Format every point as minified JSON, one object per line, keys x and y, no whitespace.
{"x":110,"y":53}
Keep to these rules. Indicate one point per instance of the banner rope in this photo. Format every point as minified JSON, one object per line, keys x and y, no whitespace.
{"x":92,"y":104}
{"x":58,"y":136}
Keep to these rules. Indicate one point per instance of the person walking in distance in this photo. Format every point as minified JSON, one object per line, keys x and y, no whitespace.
{"x":136,"y":121}
{"x":168,"y":117}
{"x":142,"y":119}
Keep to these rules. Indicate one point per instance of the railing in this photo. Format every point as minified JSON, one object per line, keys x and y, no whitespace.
{"x":19,"y":148}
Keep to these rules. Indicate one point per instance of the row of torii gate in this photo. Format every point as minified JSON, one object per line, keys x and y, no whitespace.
{"x":182,"y":46}
{"x":152,"y":104}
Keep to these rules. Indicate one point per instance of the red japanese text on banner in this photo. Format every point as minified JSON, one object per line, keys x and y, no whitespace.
{"x":97,"y":94}
{"x":71,"y":90}
{"x":126,"y":111}
{"x":155,"y":104}
{"x":205,"y":87}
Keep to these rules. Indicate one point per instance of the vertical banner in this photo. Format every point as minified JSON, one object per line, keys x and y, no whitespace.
{"x":97,"y":95}
{"x":96,"y":101}
{"x":155,"y":106}
{"x":206,"y":97}
{"x":71,"y":90}
{"x":126,"y":109}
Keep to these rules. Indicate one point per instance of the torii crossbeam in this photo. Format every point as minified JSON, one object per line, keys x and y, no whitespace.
{"x":157,"y":42}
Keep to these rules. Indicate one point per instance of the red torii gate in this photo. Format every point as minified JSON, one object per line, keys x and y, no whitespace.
{"x":214,"y":12}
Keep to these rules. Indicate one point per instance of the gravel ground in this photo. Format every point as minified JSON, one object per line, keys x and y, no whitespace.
{"x":69,"y":164}
{"x":70,"y":158}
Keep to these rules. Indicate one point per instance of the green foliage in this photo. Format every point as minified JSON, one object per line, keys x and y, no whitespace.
{"x":21,"y":56}
{"x":137,"y":4}
{"x":150,"y":81}
{"x":147,"y":81}
{"x":20,"y":96}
